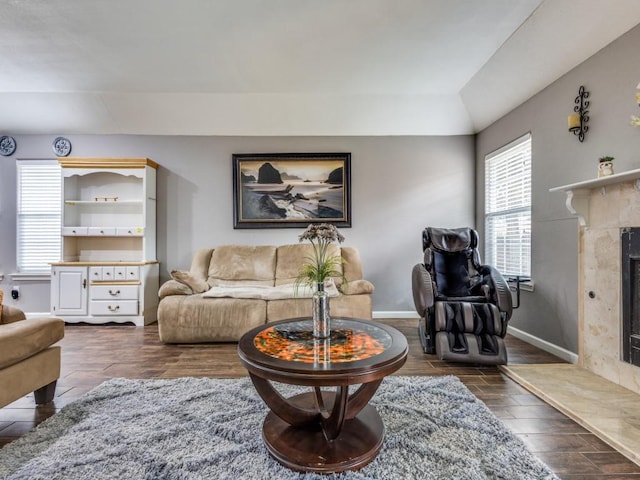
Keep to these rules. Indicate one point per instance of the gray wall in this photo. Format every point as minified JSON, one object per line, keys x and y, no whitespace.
{"x":399,"y":185}
{"x":611,"y":76}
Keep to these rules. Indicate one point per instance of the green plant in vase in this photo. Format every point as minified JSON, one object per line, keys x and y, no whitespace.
{"x":319,"y":267}
{"x":605,"y":166}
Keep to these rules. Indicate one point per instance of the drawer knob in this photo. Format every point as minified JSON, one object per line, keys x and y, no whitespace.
{"x":113,"y":309}
{"x":114,"y":294}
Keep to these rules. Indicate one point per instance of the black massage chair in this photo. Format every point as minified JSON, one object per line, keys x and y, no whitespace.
{"x":464,"y":306}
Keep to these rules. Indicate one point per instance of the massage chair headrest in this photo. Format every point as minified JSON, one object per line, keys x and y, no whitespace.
{"x":449,"y":240}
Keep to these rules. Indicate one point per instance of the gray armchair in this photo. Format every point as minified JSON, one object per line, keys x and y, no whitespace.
{"x":464,"y":306}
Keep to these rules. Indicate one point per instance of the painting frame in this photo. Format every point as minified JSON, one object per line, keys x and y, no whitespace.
{"x":293,"y":191}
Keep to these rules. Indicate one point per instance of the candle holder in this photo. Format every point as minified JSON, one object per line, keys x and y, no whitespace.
{"x":578,"y":121}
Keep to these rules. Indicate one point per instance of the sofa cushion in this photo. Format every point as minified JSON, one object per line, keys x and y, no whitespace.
{"x":196,"y":284}
{"x":290,"y":259}
{"x":193,"y":319}
{"x":201,"y":261}
{"x":20,"y":340}
{"x":242,"y":264}
{"x":352,"y":265}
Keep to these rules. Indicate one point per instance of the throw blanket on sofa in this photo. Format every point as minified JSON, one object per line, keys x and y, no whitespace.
{"x":261,"y":292}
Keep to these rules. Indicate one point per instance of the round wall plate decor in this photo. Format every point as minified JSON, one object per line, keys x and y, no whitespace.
{"x":7,"y":145}
{"x":61,"y":146}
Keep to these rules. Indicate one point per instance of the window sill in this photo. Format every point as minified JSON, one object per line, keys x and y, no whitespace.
{"x":30,"y":277}
{"x":528,"y":286}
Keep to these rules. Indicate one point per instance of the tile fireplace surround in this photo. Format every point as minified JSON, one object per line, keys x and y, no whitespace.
{"x":603,"y":206}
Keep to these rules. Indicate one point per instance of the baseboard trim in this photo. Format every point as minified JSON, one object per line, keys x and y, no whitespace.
{"x":549,"y":347}
{"x":398,"y":314}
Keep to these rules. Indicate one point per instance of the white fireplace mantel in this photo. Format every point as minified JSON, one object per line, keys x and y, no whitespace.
{"x":604,"y":206}
{"x":578,"y":193}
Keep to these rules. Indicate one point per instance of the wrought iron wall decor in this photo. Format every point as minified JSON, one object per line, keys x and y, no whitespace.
{"x":578,"y":121}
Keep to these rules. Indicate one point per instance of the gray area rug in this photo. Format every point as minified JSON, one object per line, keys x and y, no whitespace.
{"x":200,"y":428}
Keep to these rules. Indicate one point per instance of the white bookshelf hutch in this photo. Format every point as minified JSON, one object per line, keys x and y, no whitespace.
{"x":108,"y":271}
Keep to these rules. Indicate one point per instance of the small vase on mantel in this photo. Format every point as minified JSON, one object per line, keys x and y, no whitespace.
{"x":605,"y":167}
{"x":320,"y":312}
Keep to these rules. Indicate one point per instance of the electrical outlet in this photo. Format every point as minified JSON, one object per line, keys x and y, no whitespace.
{"x":15,"y":292}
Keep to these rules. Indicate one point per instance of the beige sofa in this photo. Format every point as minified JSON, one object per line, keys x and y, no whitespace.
{"x":29,"y":360}
{"x":186,"y":315}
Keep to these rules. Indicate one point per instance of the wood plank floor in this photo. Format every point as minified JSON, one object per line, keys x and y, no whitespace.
{"x":92,"y":354}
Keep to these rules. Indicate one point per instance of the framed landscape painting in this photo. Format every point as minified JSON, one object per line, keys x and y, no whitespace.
{"x":276,"y":190}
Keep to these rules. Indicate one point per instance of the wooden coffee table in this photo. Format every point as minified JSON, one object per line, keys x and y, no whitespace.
{"x":322,"y":430}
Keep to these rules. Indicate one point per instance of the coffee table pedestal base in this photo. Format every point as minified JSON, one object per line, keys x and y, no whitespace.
{"x":306,"y":449}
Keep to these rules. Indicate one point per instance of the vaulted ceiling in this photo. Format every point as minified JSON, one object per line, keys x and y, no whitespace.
{"x":288,"y":67}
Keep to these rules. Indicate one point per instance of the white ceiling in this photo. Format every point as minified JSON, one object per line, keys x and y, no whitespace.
{"x":288,"y":67}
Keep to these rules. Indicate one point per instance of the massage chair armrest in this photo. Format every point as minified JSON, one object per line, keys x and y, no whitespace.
{"x":423,"y":289}
{"x":499,"y":289}
{"x":356,"y":287}
{"x":11,"y":314}
{"x":173,"y":287}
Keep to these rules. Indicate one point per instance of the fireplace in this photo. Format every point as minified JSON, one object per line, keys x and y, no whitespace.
{"x":606,"y":208}
{"x":630,"y":266}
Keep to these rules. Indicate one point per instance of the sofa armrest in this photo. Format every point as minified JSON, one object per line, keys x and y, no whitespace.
{"x":21,"y":340}
{"x":196,"y":283}
{"x":11,"y":314}
{"x":357,"y":287}
{"x":173,"y":287}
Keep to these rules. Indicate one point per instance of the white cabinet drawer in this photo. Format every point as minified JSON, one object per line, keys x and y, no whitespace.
{"x":111,"y":274}
{"x":102,"y":231}
{"x":71,"y":231}
{"x":129,"y":231}
{"x":119,"y":273}
{"x":126,"y":273}
{"x":133,"y":273}
{"x":95,"y":273}
{"x":108,"y":274}
{"x":113,"y":308}
{"x":114,"y":292}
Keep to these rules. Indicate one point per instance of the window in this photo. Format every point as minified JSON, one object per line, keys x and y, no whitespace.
{"x":38,"y":215}
{"x":507,"y":184}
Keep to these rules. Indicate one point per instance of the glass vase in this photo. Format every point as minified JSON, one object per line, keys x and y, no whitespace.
{"x":320,"y":312}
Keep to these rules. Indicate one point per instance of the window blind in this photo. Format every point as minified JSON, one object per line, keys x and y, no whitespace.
{"x":508,"y":208}
{"x":38,"y":215}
